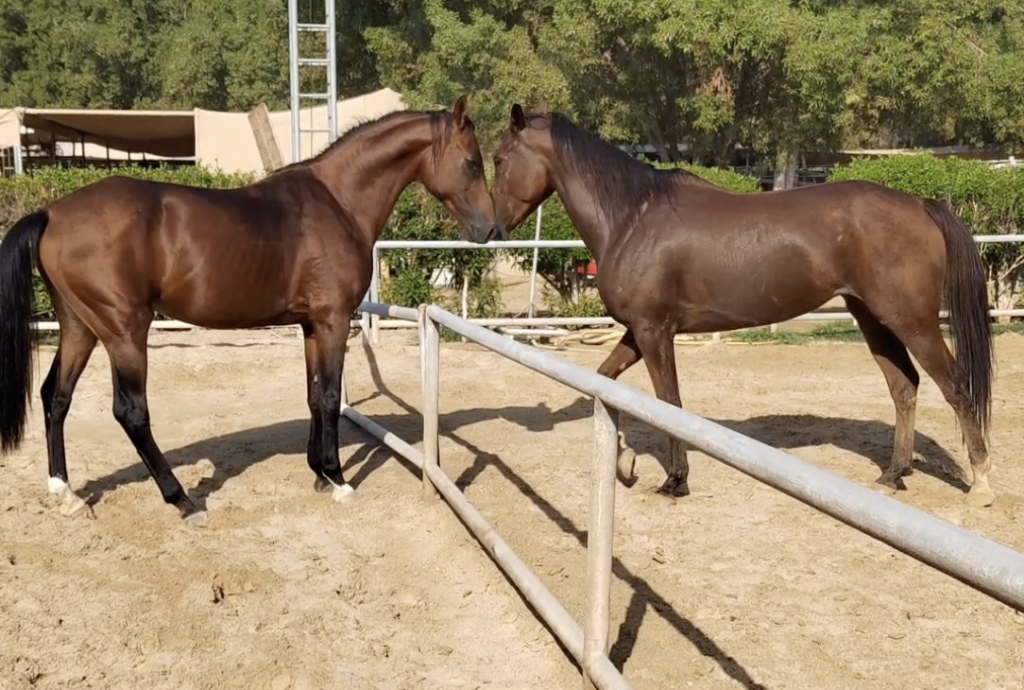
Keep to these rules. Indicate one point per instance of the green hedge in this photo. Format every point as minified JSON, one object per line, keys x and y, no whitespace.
{"x":22,"y":194}
{"x":990,"y":201}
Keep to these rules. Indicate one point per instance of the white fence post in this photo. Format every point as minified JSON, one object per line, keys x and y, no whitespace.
{"x":431,"y":395}
{"x":536,"y":259}
{"x":600,"y":536}
{"x":375,"y":297}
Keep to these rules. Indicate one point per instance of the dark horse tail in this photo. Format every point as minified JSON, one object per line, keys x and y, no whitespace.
{"x":967,"y":301}
{"x":17,"y":257}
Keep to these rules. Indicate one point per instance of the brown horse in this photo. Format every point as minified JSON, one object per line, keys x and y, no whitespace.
{"x":679,"y":255}
{"x":292,"y":248}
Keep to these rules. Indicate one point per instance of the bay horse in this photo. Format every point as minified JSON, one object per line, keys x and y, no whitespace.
{"x":677,"y":254}
{"x":294,"y":248}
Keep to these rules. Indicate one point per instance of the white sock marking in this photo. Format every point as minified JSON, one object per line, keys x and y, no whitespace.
{"x":57,"y":486}
{"x":342,"y":493}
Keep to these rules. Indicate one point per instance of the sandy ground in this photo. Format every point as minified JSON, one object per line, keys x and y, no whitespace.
{"x":736,"y":586}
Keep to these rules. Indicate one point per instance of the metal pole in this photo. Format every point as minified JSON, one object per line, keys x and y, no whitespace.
{"x":293,"y":75}
{"x":536,"y":257}
{"x":19,"y":164}
{"x":981,"y":563}
{"x":332,"y":73}
{"x":374,"y":296}
{"x":431,"y":398}
{"x":600,"y":536}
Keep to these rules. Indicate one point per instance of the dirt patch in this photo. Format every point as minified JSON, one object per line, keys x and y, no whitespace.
{"x":736,"y":586}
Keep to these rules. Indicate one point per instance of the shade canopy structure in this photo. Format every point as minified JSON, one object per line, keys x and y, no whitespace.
{"x":223,"y":140}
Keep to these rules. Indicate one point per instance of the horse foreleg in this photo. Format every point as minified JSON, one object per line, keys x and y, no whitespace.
{"x":625,"y":355}
{"x":658,"y":351}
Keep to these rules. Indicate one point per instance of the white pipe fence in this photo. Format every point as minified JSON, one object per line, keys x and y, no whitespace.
{"x":979,"y":562}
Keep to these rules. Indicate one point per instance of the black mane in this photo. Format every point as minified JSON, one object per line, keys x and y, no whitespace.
{"x":621,"y":182}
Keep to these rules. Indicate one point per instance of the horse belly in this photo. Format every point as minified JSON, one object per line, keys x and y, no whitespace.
{"x":243,"y":297}
{"x":751,"y":296}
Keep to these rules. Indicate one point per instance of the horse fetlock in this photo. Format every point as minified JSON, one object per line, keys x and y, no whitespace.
{"x":57,"y":487}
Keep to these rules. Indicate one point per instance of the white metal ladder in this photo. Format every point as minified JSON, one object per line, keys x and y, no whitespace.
{"x":328,"y":61}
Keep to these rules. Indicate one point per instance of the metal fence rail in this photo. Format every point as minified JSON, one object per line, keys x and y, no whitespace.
{"x":979,"y":562}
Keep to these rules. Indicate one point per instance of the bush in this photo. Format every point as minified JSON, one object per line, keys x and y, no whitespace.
{"x":22,"y":194}
{"x":408,"y":276}
{"x":990,"y":201}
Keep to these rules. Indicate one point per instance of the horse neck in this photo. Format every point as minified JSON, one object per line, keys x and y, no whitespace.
{"x":368,"y":174}
{"x":584,"y":209}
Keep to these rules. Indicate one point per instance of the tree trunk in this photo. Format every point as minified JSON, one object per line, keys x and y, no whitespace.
{"x":1003,"y":291}
{"x":786,"y":162}
{"x":658,"y":142}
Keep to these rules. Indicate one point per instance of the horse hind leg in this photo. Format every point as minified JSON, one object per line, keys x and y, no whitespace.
{"x":902,"y":379}
{"x":73,"y":351}
{"x":927,"y":345}
{"x":128,"y":363}
{"x":622,"y":357}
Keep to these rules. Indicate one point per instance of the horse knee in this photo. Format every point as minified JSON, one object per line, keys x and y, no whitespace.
{"x":131,"y":413}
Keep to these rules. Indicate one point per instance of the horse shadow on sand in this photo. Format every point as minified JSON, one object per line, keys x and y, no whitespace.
{"x":871,"y":439}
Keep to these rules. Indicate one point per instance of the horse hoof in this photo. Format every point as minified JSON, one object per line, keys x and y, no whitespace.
{"x":893,"y":482}
{"x":72,"y":506}
{"x":675,"y":487}
{"x":980,"y":499}
{"x":196,"y":519}
{"x":627,"y":459}
{"x":343,"y":493}
{"x":322,"y":485}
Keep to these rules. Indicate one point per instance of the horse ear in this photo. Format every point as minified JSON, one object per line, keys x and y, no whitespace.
{"x":459,"y":111}
{"x":518,"y":118}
